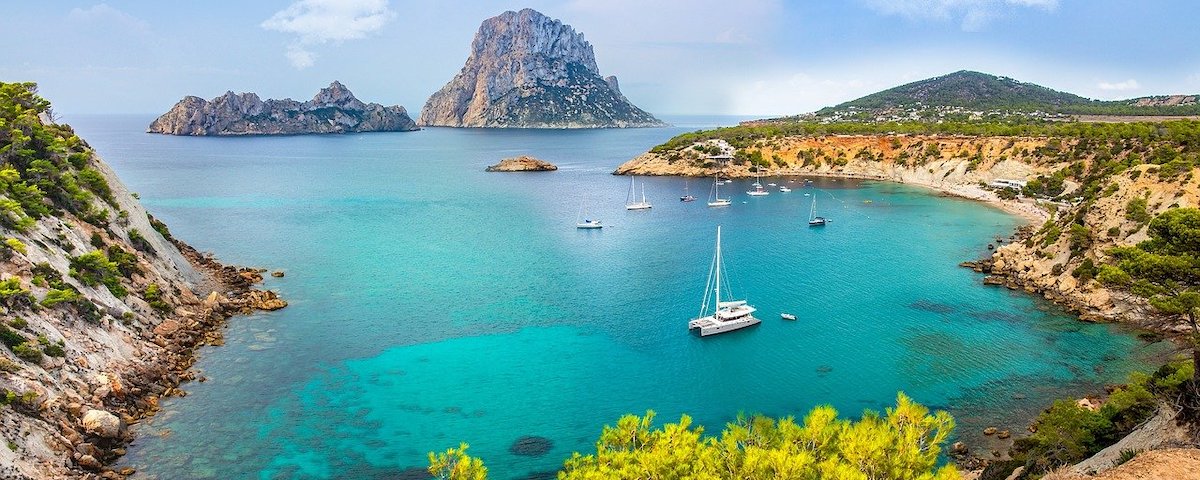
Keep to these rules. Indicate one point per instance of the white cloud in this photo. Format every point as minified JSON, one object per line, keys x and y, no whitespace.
{"x":316,"y":22}
{"x":973,"y":15}
{"x":1130,"y":84}
{"x":300,"y":57}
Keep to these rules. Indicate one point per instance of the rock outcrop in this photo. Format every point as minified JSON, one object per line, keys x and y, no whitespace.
{"x":527,"y":70}
{"x":522,"y":163}
{"x":332,"y":110}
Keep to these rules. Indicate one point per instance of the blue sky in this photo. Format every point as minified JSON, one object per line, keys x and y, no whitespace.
{"x":755,"y":57}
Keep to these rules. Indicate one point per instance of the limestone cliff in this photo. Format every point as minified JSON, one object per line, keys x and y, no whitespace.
{"x":332,"y":110}
{"x":527,"y":70}
{"x":101,"y":308}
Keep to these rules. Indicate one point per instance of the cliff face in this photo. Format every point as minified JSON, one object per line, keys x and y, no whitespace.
{"x":332,"y":110}
{"x":1062,"y":237}
{"x":527,"y":70}
{"x":102,"y":309}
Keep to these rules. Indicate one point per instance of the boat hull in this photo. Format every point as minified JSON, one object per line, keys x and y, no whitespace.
{"x":638,"y":206}
{"x":584,"y":226}
{"x":709,"y":326}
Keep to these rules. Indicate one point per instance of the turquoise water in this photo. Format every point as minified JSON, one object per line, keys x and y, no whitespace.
{"x":433,"y":303}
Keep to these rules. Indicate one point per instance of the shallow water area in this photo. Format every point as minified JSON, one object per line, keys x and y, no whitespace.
{"x":432,"y":303}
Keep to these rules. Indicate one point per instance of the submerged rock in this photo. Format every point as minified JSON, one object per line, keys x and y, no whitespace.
{"x":531,"y":446}
{"x":522,"y":163}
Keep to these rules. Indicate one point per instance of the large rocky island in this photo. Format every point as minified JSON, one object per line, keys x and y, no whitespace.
{"x":332,"y":110}
{"x":527,"y":70}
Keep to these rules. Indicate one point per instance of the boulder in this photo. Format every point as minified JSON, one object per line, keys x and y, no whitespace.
{"x":102,"y":424}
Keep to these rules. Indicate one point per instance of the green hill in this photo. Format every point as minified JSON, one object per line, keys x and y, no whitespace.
{"x":977,"y":91}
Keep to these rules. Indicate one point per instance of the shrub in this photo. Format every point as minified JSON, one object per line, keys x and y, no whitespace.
{"x":1085,"y":271}
{"x":15,"y":245}
{"x":153,"y":296}
{"x":1066,"y":434}
{"x":94,"y":268}
{"x":139,"y":242}
{"x":13,"y":294}
{"x":1136,"y":210}
{"x":18,"y":323}
{"x":28,"y":352}
{"x":54,"y":350}
{"x":1126,"y":456}
{"x":10,"y":338}
{"x":56,"y":296}
{"x":159,"y":227}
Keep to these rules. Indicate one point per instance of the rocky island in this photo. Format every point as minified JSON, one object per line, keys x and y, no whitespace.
{"x":527,"y":70}
{"x":333,"y":110}
{"x":523,"y":163}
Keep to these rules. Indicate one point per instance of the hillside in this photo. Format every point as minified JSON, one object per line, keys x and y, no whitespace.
{"x":1090,"y":186}
{"x":101,"y":308}
{"x":975,"y":94}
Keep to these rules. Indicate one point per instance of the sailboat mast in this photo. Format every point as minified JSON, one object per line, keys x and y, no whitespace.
{"x":718,"y":302}
{"x":643,"y":191}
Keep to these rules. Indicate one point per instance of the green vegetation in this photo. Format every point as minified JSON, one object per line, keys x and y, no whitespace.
{"x":15,"y":245}
{"x":28,"y":352}
{"x":95,"y":268}
{"x":44,"y":169}
{"x":1166,"y":271}
{"x":153,"y":296}
{"x":139,"y":242}
{"x":1067,"y":433}
{"x":1178,"y":132}
{"x":982,"y":92}
{"x":903,"y":443}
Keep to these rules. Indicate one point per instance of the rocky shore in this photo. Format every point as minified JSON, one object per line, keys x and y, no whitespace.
{"x":101,"y":314}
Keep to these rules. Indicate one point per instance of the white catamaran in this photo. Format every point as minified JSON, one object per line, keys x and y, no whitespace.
{"x":726,"y":316}
{"x":715,"y":200}
{"x":631,"y":202}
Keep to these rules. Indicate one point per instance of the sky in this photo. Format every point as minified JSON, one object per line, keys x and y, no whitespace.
{"x":673,"y":57}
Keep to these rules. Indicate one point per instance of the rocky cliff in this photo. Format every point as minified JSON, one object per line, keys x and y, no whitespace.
{"x":332,"y":110}
{"x":101,"y":308}
{"x":527,"y":70}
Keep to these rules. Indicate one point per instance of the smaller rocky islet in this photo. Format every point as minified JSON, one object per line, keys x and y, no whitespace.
{"x":523,"y":163}
{"x":334,"y":109}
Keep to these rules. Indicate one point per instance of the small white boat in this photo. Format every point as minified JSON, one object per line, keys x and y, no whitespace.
{"x":787,"y":316}
{"x":770,"y":184}
{"x":687,"y":196}
{"x":631,"y":202}
{"x":726,"y":316}
{"x":784,"y":189}
{"x":582,"y":222}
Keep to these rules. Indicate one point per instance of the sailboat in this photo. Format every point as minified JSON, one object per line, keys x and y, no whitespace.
{"x":726,"y":316}
{"x":813,"y":219}
{"x":758,"y":188}
{"x":631,"y":202}
{"x":584,"y":223}
{"x":687,"y":196}
{"x":715,"y":200}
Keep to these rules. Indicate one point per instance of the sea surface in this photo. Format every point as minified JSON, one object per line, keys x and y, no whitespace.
{"x":432,"y":303}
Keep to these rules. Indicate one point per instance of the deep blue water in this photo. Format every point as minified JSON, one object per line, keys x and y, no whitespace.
{"x":433,"y":303}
